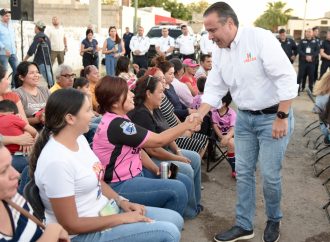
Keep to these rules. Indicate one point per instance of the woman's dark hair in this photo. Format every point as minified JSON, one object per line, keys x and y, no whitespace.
{"x":224,"y":11}
{"x":142,"y":86}
{"x":108,"y":91}
{"x":227,"y":99}
{"x":201,"y":83}
{"x":88,"y":69}
{"x":22,"y":70}
{"x":163,"y":64}
{"x":118,"y":40}
{"x":8,"y":106}
{"x":80,"y":82}
{"x":59,"y":104}
{"x":88,"y":31}
{"x":122,"y":65}
{"x":2,"y":72}
{"x":141,"y":72}
{"x":177,"y":63}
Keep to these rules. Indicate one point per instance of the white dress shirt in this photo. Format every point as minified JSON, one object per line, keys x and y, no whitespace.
{"x":206,"y":45}
{"x":255,"y":69}
{"x":186,"y":44}
{"x":140,"y":43}
{"x":165,"y":43}
{"x":56,"y":37}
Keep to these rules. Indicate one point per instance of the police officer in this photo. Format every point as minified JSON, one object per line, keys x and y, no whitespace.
{"x":139,"y":46}
{"x":308,"y":49}
{"x":325,"y":54}
{"x":288,"y":45}
{"x":186,"y":44}
{"x":127,"y":36}
{"x":165,"y":45}
{"x":316,"y":32}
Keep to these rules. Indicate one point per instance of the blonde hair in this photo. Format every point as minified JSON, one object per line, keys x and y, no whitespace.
{"x":322,"y":87}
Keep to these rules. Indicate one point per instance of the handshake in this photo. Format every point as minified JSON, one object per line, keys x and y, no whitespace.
{"x":193,"y":122}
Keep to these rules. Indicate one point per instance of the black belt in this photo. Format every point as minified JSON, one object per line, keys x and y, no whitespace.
{"x":269,"y":110}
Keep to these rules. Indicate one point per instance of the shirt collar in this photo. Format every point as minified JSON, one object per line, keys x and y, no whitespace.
{"x":237,"y":38}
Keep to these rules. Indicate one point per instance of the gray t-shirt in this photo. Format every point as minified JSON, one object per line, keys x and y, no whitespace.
{"x":31,"y":103}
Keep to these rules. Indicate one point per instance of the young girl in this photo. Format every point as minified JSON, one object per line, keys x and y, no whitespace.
{"x":224,"y":120}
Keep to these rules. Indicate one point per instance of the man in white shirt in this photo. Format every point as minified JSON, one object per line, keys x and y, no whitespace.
{"x":139,"y":46}
{"x":165,"y":45}
{"x":205,"y":66}
{"x":206,"y":45}
{"x":252,"y":65}
{"x":186,"y":44}
{"x":58,"y":40}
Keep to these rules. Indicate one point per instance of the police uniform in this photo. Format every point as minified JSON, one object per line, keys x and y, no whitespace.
{"x":127,"y":39}
{"x":307,"y":48}
{"x":186,"y":45}
{"x":142,"y":44}
{"x":164,"y":44}
{"x":289,"y":47}
{"x":325,"y":62}
{"x":317,"y":59}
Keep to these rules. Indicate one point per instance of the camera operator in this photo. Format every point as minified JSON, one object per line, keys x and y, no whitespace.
{"x":41,"y":48}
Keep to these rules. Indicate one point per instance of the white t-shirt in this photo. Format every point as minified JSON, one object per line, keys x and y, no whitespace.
{"x":186,"y":44}
{"x":62,"y":173}
{"x":206,"y":44}
{"x":165,"y":43}
{"x":56,"y":36}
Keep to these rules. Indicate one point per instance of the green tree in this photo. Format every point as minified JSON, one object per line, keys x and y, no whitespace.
{"x":274,"y":16}
{"x":198,"y":7}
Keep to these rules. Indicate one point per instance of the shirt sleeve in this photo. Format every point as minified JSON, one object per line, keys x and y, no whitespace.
{"x":277,"y":65}
{"x":143,"y":118}
{"x":33,"y":47}
{"x":19,"y":122}
{"x":125,"y":132}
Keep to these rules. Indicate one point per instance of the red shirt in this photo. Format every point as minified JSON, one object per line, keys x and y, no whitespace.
{"x":12,"y":96}
{"x":192,"y":81}
{"x":11,"y":125}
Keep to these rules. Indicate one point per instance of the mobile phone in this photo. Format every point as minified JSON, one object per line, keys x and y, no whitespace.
{"x":174,"y":170}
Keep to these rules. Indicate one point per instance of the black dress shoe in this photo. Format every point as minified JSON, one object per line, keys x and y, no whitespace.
{"x":272,"y":232}
{"x":234,"y":234}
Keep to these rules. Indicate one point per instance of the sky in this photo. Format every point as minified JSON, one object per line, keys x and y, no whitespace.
{"x":248,"y":10}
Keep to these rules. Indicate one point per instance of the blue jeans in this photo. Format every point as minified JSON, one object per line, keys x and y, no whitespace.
{"x":25,"y":178}
{"x":110,"y":64}
{"x":92,"y":129}
{"x":170,"y":194}
{"x":193,"y":171}
{"x":45,"y":73}
{"x":253,"y":143}
{"x":325,"y":130}
{"x":166,"y":228}
{"x":12,"y":60}
{"x":19,"y":162}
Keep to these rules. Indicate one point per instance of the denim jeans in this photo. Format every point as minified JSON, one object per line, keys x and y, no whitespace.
{"x":166,"y":228}
{"x":110,"y":65}
{"x":161,"y":193}
{"x":193,"y":171}
{"x":24,"y":179}
{"x":44,"y":73}
{"x":253,"y":143}
{"x":19,"y":162}
{"x":12,"y":60}
{"x":92,"y":129}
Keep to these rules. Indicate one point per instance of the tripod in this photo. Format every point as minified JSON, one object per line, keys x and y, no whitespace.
{"x":46,"y":54}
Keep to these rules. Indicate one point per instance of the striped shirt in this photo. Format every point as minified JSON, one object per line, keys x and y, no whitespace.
{"x":24,"y":229}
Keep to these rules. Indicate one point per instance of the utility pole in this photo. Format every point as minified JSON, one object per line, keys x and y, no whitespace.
{"x":135,"y":16}
{"x":304,"y":21}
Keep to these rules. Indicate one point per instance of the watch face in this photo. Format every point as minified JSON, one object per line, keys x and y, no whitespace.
{"x":282,"y":115}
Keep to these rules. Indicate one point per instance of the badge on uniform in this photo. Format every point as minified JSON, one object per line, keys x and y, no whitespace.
{"x":128,"y":128}
{"x":308,"y":50}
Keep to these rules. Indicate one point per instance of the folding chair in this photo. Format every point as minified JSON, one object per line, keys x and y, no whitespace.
{"x":31,"y":194}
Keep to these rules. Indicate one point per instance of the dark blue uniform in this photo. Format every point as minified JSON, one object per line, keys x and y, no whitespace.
{"x":289,"y":47}
{"x":127,"y":39}
{"x":317,"y":59}
{"x":307,"y":48}
{"x":325,"y":62}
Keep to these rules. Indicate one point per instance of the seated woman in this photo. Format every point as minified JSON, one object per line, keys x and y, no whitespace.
{"x":15,"y":226}
{"x":122,"y":70}
{"x":149,"y":94}
{"x":91,"y":73}
{"x":322,"y":93}
{"x":118,"y":143}
{"x":32,"y":95}
{"x":71,"y":185}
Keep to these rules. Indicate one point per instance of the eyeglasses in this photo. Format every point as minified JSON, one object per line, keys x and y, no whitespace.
{"x":99,"y":178}
{"x":69,"y":75}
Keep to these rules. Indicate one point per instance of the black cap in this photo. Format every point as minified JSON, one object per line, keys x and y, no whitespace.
{"x":4,"y":11}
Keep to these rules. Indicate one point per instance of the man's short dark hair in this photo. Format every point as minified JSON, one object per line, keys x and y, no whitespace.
{"x":8,"y":106}
{"x":315,"y":28}
{"x":281,"y":31}
{"x":204,"y":56}
{"x":183,"y":26}
{"x":224,"y":12}
{"x":201,"y":83}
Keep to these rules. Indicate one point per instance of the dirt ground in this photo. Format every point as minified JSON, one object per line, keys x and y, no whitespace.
{"x":304,"y":219}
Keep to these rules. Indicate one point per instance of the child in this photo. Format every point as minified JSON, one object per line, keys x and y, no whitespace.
{"x":197,"y":100}
{"x":224,"y":120}
{"x":13,"y":125}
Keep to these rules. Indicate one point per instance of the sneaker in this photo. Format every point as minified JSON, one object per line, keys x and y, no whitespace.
{"x":234,"y":234}
{"x":233,"y":174}
{"x":272,"y":232}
